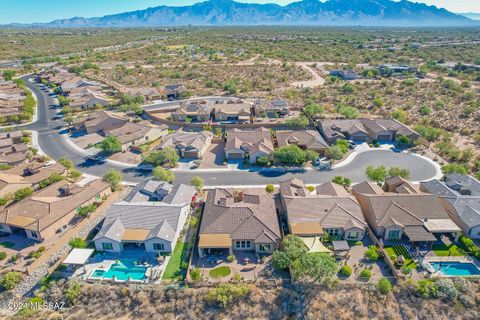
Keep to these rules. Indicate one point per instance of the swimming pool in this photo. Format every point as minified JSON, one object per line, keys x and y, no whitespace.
{"x":122,"y":270}
{"x":452,"y":268}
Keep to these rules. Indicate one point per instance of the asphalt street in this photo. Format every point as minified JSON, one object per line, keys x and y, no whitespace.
{"x":51,"y":139}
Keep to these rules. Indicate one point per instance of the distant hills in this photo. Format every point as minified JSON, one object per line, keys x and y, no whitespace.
{"x":307,"y":12}
{"x":471,"y":15}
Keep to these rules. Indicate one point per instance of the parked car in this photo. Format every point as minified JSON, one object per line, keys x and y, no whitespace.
{"x":146,"y":167}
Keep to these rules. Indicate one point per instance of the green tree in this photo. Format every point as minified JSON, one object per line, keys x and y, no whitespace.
{"x":54,"y":178}
{"x":343,"y":145}
{"x":313,"y":110}
{"x":113,"y":178}
{"x":68,"y":164}
{"x":293,"y":249}
{"x":348,"y":112}
{"x":111,"y":145}
{"x":161,"y":174}
{"x":197,"y":182}
{"x":166,"y":156}
{"x":10,"y":280}
{"x":376,"y":174}
{"x":291,"y":154}
{"x":397,"y":171}
{"x":343,"y":181}
{"x":454,"y":168}
{"x":22,"y":193}
{"x":263,"y":160}
{"x":9,"y":74}
{"x":300,"y":122}
{"x":77,"y":243}
{"x":334,"y":152}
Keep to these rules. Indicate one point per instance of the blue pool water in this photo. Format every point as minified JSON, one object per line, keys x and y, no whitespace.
{"x":456,"y":268}
{"x":122,"y":270}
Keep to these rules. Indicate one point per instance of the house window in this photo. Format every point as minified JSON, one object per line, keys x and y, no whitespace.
{"x":244,"y":244}
{"x":393,"y":234}
{"x":107,"y":246}
{"x":353,"y":235}
{"x":158,"y":247}
{"x":333,"y":232}
{"x":34,"y":234}
{"x":264,"y":248}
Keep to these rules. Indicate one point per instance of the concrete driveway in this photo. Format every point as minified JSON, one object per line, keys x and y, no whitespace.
{"x":213,"y":157}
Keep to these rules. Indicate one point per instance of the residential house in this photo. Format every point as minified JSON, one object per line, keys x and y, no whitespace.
{"x":149,"y":93}
{"x":104,"y":121}
{"x":151,"y":218}
{"x":172,"y":91}
{"x":344,"y":74}
{"x":305,"y":139}
{"x":193,"y":111}
{"x":271,"y":108}
{"x":89,"y":99}
{"x":460,"y":195}
{"x":67,"y":86}
{"x":232,"y":110}
{"x":238,"y":220}
{"x":189,"y":145}
{"x":330,"y":210}
{"x":12,"y":150}
{"x":401,"y":209}
{"x":131,"y":133}
{"x":364,"y":130}
{"x":51,"y":209}
{"x":251,"y":144}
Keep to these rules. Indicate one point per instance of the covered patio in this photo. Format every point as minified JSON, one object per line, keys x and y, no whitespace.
{"x":214,"y":244}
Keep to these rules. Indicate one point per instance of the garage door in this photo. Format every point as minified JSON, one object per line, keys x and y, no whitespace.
{"x":235,"y":156}
{"x":190,"y":154}
{"x":384,"y":137}
{"x":359,"y":137}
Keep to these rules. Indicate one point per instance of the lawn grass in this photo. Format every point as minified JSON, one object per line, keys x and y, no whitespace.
{"x":7,"y":244}
{"x":174,"y":267}
{"x":442,"y":250}
{"x":399,"y":250}
{"x":220,"y":272}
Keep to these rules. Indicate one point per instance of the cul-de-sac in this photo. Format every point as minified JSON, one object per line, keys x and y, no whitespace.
{"x":228,"y":160}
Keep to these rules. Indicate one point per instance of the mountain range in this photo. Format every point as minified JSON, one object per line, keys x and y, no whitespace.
{"x":307,"y":12}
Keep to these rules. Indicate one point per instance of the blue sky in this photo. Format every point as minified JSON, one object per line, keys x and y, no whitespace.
{"x":27,"y":11}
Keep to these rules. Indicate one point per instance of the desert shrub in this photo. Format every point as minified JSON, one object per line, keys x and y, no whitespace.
{"x":3,"y":255}
{"x":346,"y":271}
{"x":77,"y":243}
{"x":10,"y":280}
{"x":270,"y":188}
{"x":22,"y":194}
{"x":231,"y":257}
{"x":73,"y":292}
{"x":310,"y":188}
{"x":384,"y":286}
{"x":366,"y":273}
{"x":426,"y":288}
{"x":226,"y":293}
{"x":196,"y":274}
{"x":446,"y":289}
{"x":372,"y":253}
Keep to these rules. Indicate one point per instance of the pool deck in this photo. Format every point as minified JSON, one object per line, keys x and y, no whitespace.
{"x":104,"y":261}
{"x":458,"y":259}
